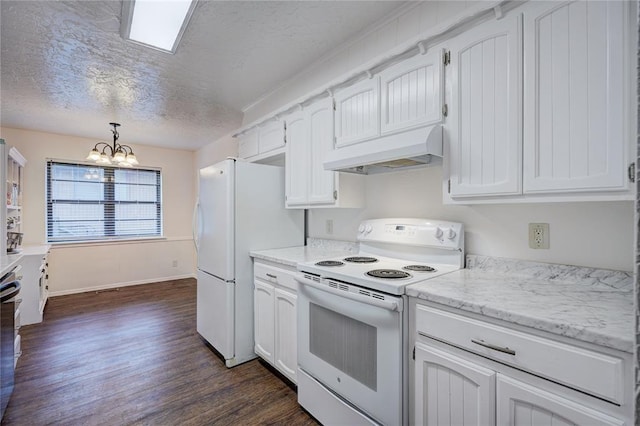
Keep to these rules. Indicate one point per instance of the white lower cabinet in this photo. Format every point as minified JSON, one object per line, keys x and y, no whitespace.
{"x":452,"y":391}
{"x":275,"y":294}
{"x":263,"y":317}
{"x":34,"y":287}
{"x":520,"y":404}
{"x":286,"y":354}
{"x":471,"y":372}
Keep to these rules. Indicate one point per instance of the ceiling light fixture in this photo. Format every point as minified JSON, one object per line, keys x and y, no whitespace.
{"x":121,"y":155}
{"x":159,"y":24}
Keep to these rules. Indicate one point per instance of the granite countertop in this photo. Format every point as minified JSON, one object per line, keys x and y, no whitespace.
{"x":591,"y":305}
{"x":315,"y":249}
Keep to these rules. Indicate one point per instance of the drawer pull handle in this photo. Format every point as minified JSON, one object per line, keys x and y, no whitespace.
{"x":275,"y":277}
{"x":494,"y":347}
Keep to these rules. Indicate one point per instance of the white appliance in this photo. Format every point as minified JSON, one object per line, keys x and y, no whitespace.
{"x":353,"y":321}
{"x":240,"y":208}
{"x":412,"y":148}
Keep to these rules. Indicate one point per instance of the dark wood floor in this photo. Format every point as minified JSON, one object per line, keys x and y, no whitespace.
{"x":133,"y":356}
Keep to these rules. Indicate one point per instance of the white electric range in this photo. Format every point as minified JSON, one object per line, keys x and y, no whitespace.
{"x":352,"y":321}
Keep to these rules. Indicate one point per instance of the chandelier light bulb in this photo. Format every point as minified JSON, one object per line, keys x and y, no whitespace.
{"x":94,"y":155}
{"x":118,"y":157}
{"x":131,"y":159}
{"x":104,"y":159}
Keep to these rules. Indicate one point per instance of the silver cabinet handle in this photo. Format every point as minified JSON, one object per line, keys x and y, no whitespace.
{"x":275,"y":277}
{"x":505,"y":349}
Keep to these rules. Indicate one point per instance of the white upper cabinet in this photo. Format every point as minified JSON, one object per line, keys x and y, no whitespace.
{"x":576,"y":69}
{"x":322,"y":184}
{"x":248,"y":144}
{"x":263,"y":141}
{"x":308,"y":184}
{"x":411,"y":93}
{"x":271,"y":135}
{"x":403,"y":96}
{"x":542,"y":104}
{"x":298,"y":159}
{"x":357,"y":112}
{"x":485,"y":110}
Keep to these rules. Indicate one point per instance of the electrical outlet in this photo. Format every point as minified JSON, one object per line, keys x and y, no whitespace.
{"x":174,"y":263}
{"x":329,"y":226}
{"x":539,"y":235}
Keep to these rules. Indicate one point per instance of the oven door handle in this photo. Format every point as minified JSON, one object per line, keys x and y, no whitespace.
{"x":390,"y":305}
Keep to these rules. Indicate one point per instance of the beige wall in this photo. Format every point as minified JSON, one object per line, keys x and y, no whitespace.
{"x":81,"y":267}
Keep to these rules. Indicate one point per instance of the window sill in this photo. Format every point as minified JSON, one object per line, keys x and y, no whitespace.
{"x":74,"y":244}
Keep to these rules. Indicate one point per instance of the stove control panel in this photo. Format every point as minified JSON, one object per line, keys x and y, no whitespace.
{"x":416,"y":232}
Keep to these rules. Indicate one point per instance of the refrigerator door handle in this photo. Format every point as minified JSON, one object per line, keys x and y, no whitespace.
{"x":195,"y":225}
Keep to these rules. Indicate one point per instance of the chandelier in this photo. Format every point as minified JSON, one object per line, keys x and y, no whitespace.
{"x":122,"y":155}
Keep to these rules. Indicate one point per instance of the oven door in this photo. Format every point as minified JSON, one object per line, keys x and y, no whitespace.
{"x":353,"y":346}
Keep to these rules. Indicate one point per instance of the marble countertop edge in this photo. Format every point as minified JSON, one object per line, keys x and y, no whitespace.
{"x":573,"y":331}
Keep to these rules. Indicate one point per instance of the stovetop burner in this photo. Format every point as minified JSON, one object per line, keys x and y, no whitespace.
{"x":360,"y":259}
{"x":388,"y":274}
{"x":329,"y":263}
{"x":419,"y":268}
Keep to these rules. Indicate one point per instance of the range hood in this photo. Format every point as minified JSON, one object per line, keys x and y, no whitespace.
{"x":413,"y":148}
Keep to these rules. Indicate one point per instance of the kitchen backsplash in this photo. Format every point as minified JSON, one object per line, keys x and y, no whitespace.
{"x":332,"y":244}
{"x":618,"y":280}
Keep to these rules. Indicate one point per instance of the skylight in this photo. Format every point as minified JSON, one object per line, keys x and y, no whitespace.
{"x":156,"y":23}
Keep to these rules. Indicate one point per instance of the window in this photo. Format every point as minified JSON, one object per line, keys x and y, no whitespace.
{"x":94,"y":202}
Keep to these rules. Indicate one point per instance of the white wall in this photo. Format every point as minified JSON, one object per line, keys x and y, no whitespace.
{"x":587,"y":234}
{"x":375,"y":42}
{"x":596,"y":234}
{"x":82,"y":267}
{"x":216,"y":151}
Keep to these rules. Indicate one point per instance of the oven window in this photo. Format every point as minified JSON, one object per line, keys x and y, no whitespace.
{"x":349,"y":345}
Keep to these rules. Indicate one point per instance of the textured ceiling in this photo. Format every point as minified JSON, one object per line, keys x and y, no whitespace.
{"x":65,"y":69}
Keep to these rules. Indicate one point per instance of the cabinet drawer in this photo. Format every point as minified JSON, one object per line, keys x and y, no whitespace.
{"x":275,"y":275}
{"x":592,"y":372}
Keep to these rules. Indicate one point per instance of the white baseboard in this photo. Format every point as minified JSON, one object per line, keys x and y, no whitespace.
{"x":116,"y":285}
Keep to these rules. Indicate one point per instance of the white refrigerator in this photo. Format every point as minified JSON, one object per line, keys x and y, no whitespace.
{"x":241,"y":207}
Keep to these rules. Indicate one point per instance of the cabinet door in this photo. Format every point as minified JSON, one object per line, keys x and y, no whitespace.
{"x":271,"y":136}
{"x":263,"y":297}
{"x":358,"y":112}
{"x":322,"y":182}
{"x":297,"y":163}
{"x":486,"y":109}
{"x":520,"y":404}
{"x":248,"y":144}
{"x":575,"y":96}
{"x":451,"y":391}
{"x":286,"y":352}
{"x":411,"y":93}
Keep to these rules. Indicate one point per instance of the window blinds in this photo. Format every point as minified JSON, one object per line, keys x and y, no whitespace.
{"x":95,"y":202}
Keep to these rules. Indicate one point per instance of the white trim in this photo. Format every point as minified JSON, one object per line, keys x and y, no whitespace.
{"x":434,"y":35}
{"x":117,"y":285}
{"x":94,"y":164}
{"x":76,"y":244}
